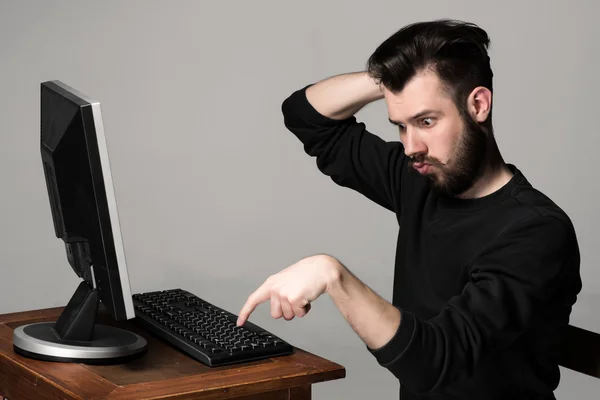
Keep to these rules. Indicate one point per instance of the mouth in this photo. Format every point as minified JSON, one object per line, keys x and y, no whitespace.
{"x":422,"y":168}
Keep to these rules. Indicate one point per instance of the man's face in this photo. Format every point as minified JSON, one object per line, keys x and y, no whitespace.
{"x":444,"y":146}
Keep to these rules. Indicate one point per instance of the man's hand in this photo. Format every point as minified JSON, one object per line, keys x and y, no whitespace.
{"x":293,"y":289}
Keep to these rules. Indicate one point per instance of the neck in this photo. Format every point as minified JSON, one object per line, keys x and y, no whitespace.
{"x":495,"y":174}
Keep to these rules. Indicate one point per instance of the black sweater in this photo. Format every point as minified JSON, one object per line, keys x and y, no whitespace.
{"x":485,"y":286}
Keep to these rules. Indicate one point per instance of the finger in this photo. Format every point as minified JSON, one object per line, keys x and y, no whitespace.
{"x":301,"y":311}
{"x":275,"y":306}
{"x":288,"y":313}
{"x":259,"y":296}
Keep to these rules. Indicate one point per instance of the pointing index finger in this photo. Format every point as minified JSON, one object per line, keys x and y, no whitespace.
{"x":259,"y":296}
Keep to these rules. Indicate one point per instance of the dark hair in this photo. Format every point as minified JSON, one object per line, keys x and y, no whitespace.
{"x":455,"y":50}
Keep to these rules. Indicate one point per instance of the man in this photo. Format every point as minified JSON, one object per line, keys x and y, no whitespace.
{"x":487,"y":267}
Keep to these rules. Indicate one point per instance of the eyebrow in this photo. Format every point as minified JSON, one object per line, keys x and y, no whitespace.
{"x":416,"y":116}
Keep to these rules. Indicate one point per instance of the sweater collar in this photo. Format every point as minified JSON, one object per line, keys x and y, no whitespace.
{"x":491,"y":199}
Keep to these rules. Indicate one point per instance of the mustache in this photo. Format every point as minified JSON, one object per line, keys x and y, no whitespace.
{"x":425,"y":160}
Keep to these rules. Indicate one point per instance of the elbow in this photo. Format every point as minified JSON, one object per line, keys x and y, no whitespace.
{"x":433,"y":360}
{"x":419,"y":384}
{"x":286,"y":107}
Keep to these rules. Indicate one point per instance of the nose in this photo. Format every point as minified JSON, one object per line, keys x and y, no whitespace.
{"x":413,"y":144}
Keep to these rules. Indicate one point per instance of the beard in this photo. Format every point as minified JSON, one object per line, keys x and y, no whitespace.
{"x":466,"y":163}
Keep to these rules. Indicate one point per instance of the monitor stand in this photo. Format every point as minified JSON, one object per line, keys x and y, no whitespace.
{"x":75,"y":336}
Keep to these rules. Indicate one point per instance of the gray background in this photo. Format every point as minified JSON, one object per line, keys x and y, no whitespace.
{"x":214,"y":193}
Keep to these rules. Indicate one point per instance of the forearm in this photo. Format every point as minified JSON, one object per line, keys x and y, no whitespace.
{"x":374,"y":319}
{"x":342,"y":96}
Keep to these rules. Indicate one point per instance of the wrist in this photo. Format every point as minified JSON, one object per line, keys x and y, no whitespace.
{"x":334,"y":272}
{"x":376,"y":89}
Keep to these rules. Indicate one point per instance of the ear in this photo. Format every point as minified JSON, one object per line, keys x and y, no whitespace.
{"x":479,"y":103}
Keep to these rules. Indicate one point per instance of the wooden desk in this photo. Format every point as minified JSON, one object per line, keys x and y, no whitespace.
{"x":162,"y":373}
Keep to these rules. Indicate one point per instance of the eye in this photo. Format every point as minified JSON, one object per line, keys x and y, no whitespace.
{"x":427,"y":121}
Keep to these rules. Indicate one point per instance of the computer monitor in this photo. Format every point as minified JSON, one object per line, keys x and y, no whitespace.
{"x":84,"y":211}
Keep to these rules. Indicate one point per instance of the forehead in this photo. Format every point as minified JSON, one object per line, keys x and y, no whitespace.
{"x":424,"y":91}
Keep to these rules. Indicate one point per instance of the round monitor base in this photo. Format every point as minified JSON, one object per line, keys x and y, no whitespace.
{"x":110,"y":345}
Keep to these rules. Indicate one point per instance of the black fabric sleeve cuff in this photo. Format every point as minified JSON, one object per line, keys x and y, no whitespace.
{"x":298,"y":103}
{"x":393,"y":349}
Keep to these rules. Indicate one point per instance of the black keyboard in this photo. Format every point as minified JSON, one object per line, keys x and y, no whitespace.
{"x":204,"y":331}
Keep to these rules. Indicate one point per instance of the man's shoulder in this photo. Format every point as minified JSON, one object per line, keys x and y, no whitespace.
{"x":536,"y":204}
{"x":530,"y":208}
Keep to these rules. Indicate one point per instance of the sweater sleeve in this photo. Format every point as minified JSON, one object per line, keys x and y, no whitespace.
{"x":513,"y":281}
{"x":346,"y":151}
